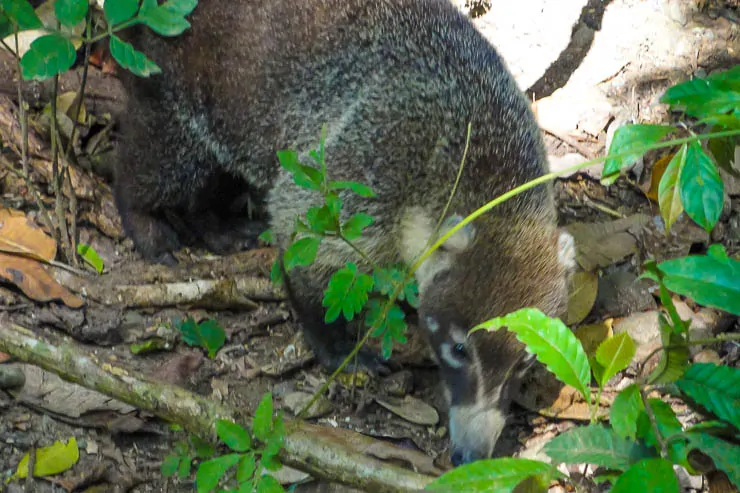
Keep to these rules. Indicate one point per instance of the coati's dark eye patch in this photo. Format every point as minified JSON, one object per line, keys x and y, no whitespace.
{"x":460,"y":351}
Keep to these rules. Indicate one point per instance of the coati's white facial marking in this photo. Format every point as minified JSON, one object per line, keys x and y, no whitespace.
{"x":475,"y":429}
{"x":567,"y":250}
{"x":449,"y":358}
{"x":432,"y":325}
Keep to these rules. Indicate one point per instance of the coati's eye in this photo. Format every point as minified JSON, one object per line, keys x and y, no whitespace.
{"x":460,"y":351}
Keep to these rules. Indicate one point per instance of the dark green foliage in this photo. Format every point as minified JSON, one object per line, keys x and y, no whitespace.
{"x":207,"y":334}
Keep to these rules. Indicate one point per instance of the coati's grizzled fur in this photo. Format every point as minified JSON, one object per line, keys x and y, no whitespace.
{"x":396,"y":82}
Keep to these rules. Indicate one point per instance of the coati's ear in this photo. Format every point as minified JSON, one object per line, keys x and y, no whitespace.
{"x":462,"y":239}
{"x":566,"y":250}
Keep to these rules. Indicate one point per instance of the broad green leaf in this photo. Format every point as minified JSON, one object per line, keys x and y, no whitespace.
{"x":595,"y":444}
{"x":551,"y":342}
{"x":702,"y":97}
{"x":6,"y":27}
{"x":90,"y":256}
{"x":246,"y":468}
{"x":184,"y":470}
{"x":268,"y":484}
{"x":203,"y":449}
{"x":48,"y":56}
{"x":615,"y":354}
{"x":665,"y":418}
{"x":267,"y":236}
{"x":130,"y":59}
{"x":674,"y":358}
{"x":353,"y":227}
{"x":716,"y":388}
{"x":276,"y":273}
{"x":212,"y":336}
{"x":723,"y":151}
{"x":334,"y":203}
{"x":726,"y":456}
{"x":233,"y":435}
{"x":262,"y":424}
{"x":358,"y":188}
{"x":710,"y":280}
{"x":633,"y":141}
{"x":211,"y":471}
{"x":648,"y":476}
{"x":170,"y":465}
{"x":321,"y":220}
{"x":20,"y":13}
{"x":669,"y":198}
{"x":167,"y":19}
{"x":701,"y":187}
{"x":117,"y":11}
{"x":499,"y":475}
{"x":301,"y":252}
{"x":347,"y":293}
{"x":189,"y":332}
{"x":51,"y":460}
{"x":625,"y":410}
{"x":70,"y":12}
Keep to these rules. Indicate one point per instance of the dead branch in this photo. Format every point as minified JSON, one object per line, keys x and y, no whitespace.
{"x":310,"y":448}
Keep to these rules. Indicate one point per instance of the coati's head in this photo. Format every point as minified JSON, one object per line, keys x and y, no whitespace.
{"x":490,"y":267}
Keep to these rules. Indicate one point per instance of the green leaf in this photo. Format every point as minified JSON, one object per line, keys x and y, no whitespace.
{"x":203,"y":449}
{"x":268,"y":484}
{"x":212,"y":336}
{"x":632,"y":140}
{"x":551,"y":342}
{"x":70,"y":12}
{"x":189,"y":332}
{"x":358,"y":188}
{"x":615,"y":354}
{"x":711,"y":280}
{"x":702,"y":97}
{"x":595,"y":444}
{"x":262,"y":424}
{"x":701,"y":188}
{"x":167,"y":19}
{"x":117,"y":11}
{"x":723,"y":151}
{"x":301,"y":252}
{"x":233,"y":435}
{"x":674,"y":359}
{"x":130,"y":59}
{"x":347,"y":293}
{"x":648,"y":476}
{"x":499,"y":475}
{"x":90,"y":256}
{"x":276,"y":273}
{"x":390,"y":328}
{"x":726,"y":456}
{"x":386,"y":280}
{"x":716,"y":388}
{"x":184,"y":470}
{"x":20,"y":13}
{"x":321,"y":220}
{"x":352,"y":228}
{"x":246,"y":468}
{"x":170,"y":465}
{"x":665,"y":419}
{"x":211,"y":471}
{"x":267,"y":236}
{"x":625,"y":410}
{"x":669,"y":198}
{"x":303,"y":176}
{"x":51,"y":460}
{"x":48,"y":56}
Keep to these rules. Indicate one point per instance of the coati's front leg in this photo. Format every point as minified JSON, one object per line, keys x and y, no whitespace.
{"x":331,"y":343}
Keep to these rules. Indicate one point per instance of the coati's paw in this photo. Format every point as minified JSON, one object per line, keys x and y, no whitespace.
{"x":223,"y":237}
{"x":153,"y":238}
{"x":367,"y":360}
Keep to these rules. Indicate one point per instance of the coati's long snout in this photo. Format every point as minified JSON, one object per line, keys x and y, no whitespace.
{"x":396,"y":82}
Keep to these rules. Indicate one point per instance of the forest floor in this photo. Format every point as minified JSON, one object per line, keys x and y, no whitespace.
{"x":589,"y":66}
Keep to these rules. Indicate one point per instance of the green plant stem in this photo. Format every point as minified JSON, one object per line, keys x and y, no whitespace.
{"x":654,"y":423}
{"x":119,"y":27}
{"x":454,"y":187}
{"x":594,"y":405}
{"x":359,"y":252}
{"x":552,"y":175}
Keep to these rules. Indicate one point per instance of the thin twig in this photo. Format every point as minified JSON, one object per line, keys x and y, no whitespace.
{"x":654,"y":423}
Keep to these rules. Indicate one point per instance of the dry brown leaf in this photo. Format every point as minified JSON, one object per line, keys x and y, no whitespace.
{"x":583,"y":288}
{"x":35,"y":282}
{"x":658,"y":169}
{"x":20,"y":235}
{"x":601,"y":244}
{"x":592,"y":335}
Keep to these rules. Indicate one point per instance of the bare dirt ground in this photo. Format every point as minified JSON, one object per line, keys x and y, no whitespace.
{"x":589,"y":65}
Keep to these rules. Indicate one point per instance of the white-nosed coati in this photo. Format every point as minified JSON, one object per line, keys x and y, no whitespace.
{"x":396,"y":82}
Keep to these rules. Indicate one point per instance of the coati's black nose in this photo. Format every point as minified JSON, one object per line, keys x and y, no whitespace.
{"x":458,"y":458}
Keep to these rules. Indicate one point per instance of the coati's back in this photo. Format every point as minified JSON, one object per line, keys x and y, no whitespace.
{"x":396,"y":82}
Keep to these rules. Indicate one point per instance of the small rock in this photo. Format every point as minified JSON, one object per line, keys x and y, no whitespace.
{"x":295,"y":401}
{"x":288,"y":475}
{"x":644,"y":330}
{"x":621,"y":293}
{"x":11,"y":377}
{"x":707,"y":356}
{"x":411,"y":409}
{"x":399,"y":384}
{"x":687,"y":481}
{"x":441,"y":432}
